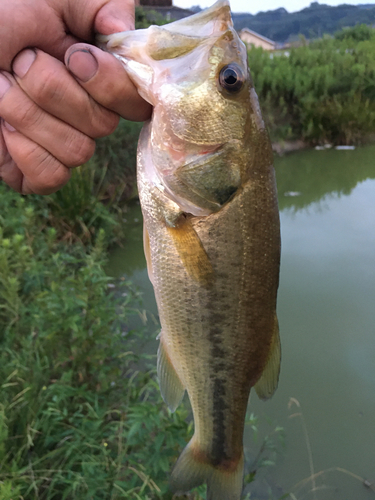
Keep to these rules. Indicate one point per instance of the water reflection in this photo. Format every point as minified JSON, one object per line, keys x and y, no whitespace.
{"x":129,"y":258}
{"x":318,"y":174}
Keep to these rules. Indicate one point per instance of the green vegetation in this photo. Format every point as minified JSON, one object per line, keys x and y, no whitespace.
{"x":322,"y":92}
{"x":81,"y":414}
{"x":80,"y":411}
{"x":77,"y":418}
{"x":312,"y":22}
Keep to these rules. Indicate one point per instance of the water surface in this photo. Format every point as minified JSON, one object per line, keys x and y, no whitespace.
{"x":326,"y":309}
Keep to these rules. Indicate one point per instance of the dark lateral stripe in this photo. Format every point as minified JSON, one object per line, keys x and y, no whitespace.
{"x":219,"y":404}
{"x":218,"y":453}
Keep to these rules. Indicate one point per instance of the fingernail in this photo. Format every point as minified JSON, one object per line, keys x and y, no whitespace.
{"x":4,"y":85}
{"x":8,"y":126}
{"x":82,"y":64}
{"x":23,"y":61}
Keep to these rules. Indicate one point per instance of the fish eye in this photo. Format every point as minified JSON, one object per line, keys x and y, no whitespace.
{"x":231,"y":78}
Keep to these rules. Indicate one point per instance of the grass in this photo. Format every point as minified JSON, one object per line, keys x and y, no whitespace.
{"x":311,"y":486}
{"x":75,"y":413}
{"x":78,"y":418}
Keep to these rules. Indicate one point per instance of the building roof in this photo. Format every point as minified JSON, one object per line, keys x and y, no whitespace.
{"x":254,"y":33}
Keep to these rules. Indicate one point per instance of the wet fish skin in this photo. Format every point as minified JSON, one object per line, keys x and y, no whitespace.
{"x":212,"y":240}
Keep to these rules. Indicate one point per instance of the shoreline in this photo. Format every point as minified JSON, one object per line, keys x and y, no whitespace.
{"x":284,"y":147}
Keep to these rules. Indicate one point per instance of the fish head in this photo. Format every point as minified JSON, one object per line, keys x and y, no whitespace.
{"x":195,"y":73}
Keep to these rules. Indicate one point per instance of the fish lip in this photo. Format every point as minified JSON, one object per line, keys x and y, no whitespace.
{"x":210,"y":22}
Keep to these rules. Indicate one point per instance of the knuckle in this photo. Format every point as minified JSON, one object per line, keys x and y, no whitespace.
{"x":80,"y":149}
{"x":105,"y":124}
{"x":50,"y":183}
{"x":27,"y":113}
{"x":47,"y":174}
{"x":49,"y":86}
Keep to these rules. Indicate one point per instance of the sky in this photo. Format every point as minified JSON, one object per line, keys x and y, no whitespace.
{"x":253,"y":7}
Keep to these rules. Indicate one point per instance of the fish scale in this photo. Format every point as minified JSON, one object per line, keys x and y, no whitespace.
{"x":212,"y":239}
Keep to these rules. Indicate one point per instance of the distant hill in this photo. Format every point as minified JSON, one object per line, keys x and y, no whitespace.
{"x":312,"y":22}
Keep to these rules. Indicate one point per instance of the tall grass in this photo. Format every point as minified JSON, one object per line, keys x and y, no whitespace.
{"x":77,"y":419}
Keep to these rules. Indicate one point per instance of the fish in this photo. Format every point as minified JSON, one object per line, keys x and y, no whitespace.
{"x":207,"y":189}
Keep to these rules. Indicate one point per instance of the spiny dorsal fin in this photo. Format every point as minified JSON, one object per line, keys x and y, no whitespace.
{"x":171,"y":387}
{"x":267,"y":384}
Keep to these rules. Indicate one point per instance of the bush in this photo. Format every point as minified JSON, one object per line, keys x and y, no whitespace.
{"x":320,"y":92}
{"x":75,"y":413}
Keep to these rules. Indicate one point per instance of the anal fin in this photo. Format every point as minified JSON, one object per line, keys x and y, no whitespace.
{"x":171,"y":388}
{"x":267,"y":384}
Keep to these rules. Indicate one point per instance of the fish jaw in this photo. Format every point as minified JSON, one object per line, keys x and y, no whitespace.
{"x":139,"y":50}
{"x":180,"y":61}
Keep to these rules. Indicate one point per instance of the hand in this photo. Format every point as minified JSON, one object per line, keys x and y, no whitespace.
{"x":51,"y":113}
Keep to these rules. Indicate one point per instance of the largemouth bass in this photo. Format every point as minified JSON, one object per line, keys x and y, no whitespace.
{"x":211,"y":234}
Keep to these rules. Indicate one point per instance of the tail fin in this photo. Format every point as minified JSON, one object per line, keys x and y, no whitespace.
{"x":192,"y":470}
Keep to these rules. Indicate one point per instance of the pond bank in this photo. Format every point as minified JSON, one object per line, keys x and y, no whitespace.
{"x":283,"y":147}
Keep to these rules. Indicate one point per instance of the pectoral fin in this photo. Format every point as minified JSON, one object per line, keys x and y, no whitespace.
{"x":192,"y":252}
{"x":171,"y":387}
{"x":267,"y":384}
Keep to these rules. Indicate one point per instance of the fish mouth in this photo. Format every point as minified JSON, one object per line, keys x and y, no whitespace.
{"x":169,"y":41}
{"x":146,"y":52}
{"x":206,"y":23}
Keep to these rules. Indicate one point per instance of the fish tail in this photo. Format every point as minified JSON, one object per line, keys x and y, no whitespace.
{"x":224,"y":482}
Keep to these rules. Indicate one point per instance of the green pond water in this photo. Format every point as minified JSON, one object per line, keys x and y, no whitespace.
{"x":326,"y":309}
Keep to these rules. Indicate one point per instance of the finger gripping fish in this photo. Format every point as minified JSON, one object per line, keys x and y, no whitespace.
{"x":211,"y":234}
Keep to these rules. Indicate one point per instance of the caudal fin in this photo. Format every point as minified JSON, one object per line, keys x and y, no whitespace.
{"x":192,"y":470}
